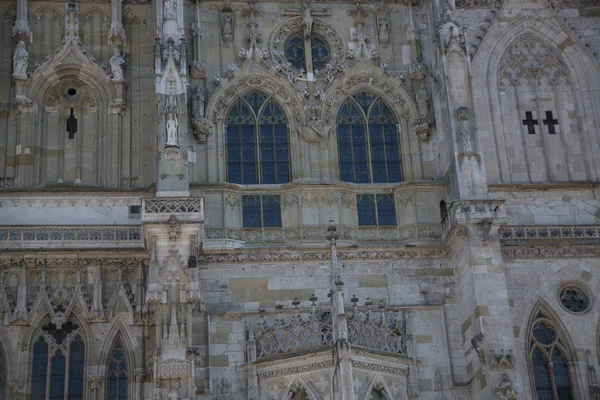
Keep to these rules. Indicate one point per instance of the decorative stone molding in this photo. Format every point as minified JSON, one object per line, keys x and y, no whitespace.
{"x":379,"y":368}
{"x":501,"y":361}
{"x":174,"y":227}
{"x":227,"y":93}
{"x":321,"y":256}
{"x":550,"y":251}
{"x":511,"y":234}
{"x":422,"y":127}
{"x":56,"y":236}
{"x":505,"y":390}
{"x":22,"y":104}
{"x":293,"y":370}
{"x":574,"y":3}
{"x":117,"y":106}
{"x":483,"y":229}
{"x":94,"y":382}
{"x":479,"y":3}
{"x":279,"y":64}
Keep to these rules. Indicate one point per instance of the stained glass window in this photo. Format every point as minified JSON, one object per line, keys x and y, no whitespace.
{"x":548,"y":361}
{"x":257,"y":141}
{"x":62,"y":377}
{"x":261,"y":211}
{"x":117,"y":373}
{"x":376,"y":210}
{"x":295,"y":51}
{"x":368,"y":141}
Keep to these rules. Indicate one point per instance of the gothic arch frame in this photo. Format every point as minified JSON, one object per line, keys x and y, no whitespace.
{"x":33,"y":333}
{"x":227,"y":94}
{"x":486,"y":67}
{"x":71,"y":64}
{"x":119,"y":330}
{"x":394,"y":96}
{"x":373,"y":384}
{"x":304,"y":385}
{"x":7,"y":351}
{"x":566,"y":346}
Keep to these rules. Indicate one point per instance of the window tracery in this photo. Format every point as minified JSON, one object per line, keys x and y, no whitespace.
{"x":257,"y":140}
{"x":574,"y":298}
{"x":537,"y":103}
{"x":58,"y":363}
{"x":368,"y":141}
{"x":549,"y":361}
{"x":295,"y":51}
{"x":118,"y":372}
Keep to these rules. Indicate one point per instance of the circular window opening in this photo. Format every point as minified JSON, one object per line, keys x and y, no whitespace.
{"x":295,"y":51}
{"x":72,"y":92}
{"x":574,"y":298}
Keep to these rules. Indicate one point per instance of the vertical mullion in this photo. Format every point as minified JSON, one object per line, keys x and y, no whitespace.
{"x":551,"y":378}
{"x":67,"y":372}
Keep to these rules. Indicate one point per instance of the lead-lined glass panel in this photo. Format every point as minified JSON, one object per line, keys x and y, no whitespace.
{"x":271,"y":211}
{"x":386,"y":210}
{"x":57,"y":376}
{"x":295,"y":51}
{"x":39,"y":372}
{"x":561,"y":376}
{"x":76,"y":366}
{"x":251,"y":211}
{"x":540,"y":374}
{"x":366,"y":210}
{"x":352,"y":144}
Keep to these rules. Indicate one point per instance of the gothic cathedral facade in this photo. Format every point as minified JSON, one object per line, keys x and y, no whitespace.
{"x":299,"y":199}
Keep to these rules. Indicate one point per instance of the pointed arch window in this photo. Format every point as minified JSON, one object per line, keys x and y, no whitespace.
{"x":368,"y":141}
{"x":257,"y":139}
{"x":58,"y":363}
{"x":549,"y":362}
{"x":118,"y":372}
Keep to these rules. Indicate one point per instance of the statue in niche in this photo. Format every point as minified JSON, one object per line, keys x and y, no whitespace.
{"x":172,"y":129}
{"x":198,"y":104}
{"x":170,"y":10}
{"x":307,"y":21}
{"x":422,"y":99}
{"x":227,"y":27}
{"x":383,"y":28}
{"x":117,"y":62}
{"x":20,"y":61}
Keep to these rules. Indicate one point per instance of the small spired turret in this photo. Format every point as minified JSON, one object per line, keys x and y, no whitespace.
{"x":173,"y":362}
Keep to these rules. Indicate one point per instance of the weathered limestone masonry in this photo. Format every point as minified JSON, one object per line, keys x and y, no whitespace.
{"x":299,"y":199}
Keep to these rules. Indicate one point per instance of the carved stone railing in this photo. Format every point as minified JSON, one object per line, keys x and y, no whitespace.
{"x":95,"y":236}
{"x":282,"y":334}
{"x":383,"y":330}
{"x":173,"y":205}
{"x":471,"y":212}
{"x":511,"y":234}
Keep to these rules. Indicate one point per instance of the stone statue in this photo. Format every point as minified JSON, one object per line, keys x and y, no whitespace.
{"x":383,"y":29}
{"x":20,"y":61}
{"x":197,"y":104}
{"x":116,"y":66}
{"x":172,"y":129}
{"x":307,"y":22}
{"x":422,"y":99}
{"x":170,"y":10}
{"x":465,"y":136}
{"x":227,"y":27}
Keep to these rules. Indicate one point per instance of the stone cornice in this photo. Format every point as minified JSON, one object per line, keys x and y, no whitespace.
{"x":81,"y":259}
{"x":582,"y":234}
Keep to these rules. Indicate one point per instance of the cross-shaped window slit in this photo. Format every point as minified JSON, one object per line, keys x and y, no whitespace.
{"x":550,"y":122}
{"x":530,"y":122}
